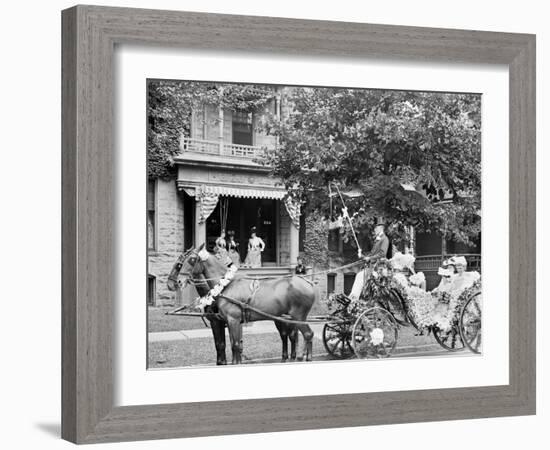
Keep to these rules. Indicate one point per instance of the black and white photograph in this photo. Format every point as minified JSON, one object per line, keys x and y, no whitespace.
{"x":298,"y":223}
{"x":275,"y":225}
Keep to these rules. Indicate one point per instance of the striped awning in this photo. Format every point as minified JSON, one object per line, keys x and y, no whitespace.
{"x":277,"y":194}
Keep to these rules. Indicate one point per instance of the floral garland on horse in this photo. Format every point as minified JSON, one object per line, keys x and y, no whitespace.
{"x":210,"y":297}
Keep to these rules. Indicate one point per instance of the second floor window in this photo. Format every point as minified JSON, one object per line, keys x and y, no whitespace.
{"x":242,"y":127}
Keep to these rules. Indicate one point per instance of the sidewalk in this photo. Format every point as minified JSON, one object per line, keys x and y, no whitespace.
{"x":260,"y":327}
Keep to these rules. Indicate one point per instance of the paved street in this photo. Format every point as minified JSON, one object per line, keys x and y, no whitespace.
{"x":261,"y":345}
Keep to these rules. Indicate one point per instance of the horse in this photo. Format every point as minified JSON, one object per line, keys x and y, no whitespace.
{"x":293,"y":296}
{"x":217,"y":324}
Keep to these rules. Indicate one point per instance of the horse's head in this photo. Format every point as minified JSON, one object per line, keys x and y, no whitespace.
{"x":173,"y":282}
{"x":196,"y":261}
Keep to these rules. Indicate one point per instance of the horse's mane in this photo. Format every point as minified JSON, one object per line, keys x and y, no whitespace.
{"x":216,"y":263}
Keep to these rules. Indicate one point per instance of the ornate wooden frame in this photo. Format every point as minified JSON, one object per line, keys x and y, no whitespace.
{"x":89,"y":36}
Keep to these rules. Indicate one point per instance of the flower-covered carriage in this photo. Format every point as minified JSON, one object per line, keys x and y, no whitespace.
{"x":367,"y":325}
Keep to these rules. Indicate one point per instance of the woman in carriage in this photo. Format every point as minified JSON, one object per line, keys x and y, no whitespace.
{"x":454,"y":277}
{"x":462,"y":279}
{"x":404,"y":272}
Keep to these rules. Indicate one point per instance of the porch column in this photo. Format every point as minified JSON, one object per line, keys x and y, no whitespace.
{"x":294,"y":243}
{"x":200,"y":228}
{"x":220,"y":122}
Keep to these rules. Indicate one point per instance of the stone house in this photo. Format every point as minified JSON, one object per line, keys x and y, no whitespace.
{"x":220,"y":184}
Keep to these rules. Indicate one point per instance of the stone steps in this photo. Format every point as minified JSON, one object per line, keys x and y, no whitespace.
{"x":261,"y":272}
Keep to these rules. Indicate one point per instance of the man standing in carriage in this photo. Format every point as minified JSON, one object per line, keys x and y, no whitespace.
{"x":379,"y":250}
{"x":381,"y":246}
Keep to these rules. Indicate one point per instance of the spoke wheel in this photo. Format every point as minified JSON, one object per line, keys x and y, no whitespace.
{"x":450,"y":340}
{"x":374,"y":334}
{"x":470,"y":323}
{"x":337,"y":339}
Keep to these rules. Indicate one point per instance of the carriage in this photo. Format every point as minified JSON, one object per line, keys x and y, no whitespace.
{"x":369,"y":326}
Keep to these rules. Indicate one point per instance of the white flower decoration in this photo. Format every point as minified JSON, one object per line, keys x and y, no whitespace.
{"x":209,"y":298}
{"x":377,"y":336}
{"x":203,"y":255}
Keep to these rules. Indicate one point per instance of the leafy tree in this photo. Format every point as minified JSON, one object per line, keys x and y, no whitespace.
{"x":169,"y":108}
{"x":391,"y":146}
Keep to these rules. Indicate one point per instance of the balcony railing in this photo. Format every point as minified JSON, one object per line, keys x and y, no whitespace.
{"x":429,"y":265}
{"x":433,"y":262}
{"x":202,"y":146}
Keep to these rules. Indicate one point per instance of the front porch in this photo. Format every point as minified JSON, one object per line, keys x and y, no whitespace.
{"x":224,"y":186}
{"x":238,"y":213}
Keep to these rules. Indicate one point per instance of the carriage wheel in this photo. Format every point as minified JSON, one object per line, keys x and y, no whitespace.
{"x":374,"y":333}
{"x":450,"y":340}
{"x":470,"y":323}
{"x":337,"y":339}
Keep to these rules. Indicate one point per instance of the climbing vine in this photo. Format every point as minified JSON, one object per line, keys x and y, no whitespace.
{"x":316,"y":240}
{"x":169,"y":108}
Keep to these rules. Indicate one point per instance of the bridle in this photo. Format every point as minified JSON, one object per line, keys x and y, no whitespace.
{"x":173,"y":277}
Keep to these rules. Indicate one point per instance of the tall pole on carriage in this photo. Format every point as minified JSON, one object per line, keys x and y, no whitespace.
{"x":347,"y":216}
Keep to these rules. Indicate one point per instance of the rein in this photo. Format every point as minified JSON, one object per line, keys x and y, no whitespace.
{"x":245,"y":306}
{"x":195,"y":281}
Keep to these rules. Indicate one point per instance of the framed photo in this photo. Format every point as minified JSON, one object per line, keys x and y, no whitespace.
{"x":241,"y":192}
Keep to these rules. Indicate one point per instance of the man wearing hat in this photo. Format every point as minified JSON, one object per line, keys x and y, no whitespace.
{"x":379,"y":250}
{"x":381,"y":242}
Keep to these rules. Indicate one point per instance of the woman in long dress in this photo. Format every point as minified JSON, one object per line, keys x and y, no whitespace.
{"x":233,"y":248}
{"x":220,"y":249}
{"x":256,"y":246}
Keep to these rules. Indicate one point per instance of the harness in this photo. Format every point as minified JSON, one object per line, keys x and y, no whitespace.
{"x":245,"y":306}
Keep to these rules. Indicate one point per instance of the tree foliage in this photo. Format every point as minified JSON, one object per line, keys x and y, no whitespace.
{"x":169,"y":109}
{"x":382,"y":143}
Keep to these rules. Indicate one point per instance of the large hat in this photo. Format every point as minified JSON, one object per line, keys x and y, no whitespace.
{"x":401,"y":261}
{"x":450,"y":262}
{"x":460,"y":261}
{"x":380,"y":221}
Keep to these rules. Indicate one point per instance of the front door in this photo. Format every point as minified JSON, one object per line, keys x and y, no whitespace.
{"x":242,"y":215}
{"x":260,"y":213}
{"x":266,"y":229}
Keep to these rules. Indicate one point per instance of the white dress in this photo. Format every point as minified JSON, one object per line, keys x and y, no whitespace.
{"x":459,"y":283}
{"x":256,"y":246}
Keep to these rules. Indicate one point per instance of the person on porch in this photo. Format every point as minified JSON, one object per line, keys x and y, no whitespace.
{"x":220,"y":248}
{"x":256,"y":246}
{"x":233,"y":248}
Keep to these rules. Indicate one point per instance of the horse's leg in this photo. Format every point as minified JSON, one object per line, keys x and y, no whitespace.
{"x":218,"y":331}
{"x":307,"y":332}
{"x":236,"y":335}
{"x":283,"y":332}
{"x":294,"y":338}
